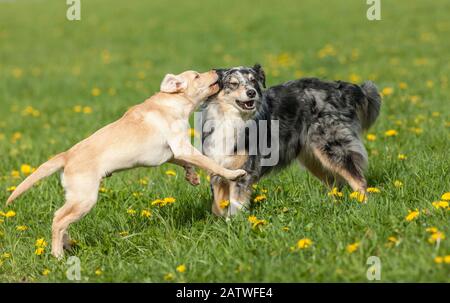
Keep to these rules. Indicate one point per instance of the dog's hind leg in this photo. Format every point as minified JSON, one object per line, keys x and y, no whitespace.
{"x":81,"y":196}
{"x":315,"y":167}
{"x":221,"y":192}
{"x":347,"y":164}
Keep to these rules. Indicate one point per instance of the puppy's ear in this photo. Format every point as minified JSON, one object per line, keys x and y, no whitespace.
{"x":173,"y":84}
{"x":261,"y":74}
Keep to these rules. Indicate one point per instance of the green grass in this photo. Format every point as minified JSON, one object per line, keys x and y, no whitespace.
{"x":125,"y":48}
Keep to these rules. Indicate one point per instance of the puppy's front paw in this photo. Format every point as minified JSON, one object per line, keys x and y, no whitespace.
{"x":235,"y":174}
{"x":193,"y":178}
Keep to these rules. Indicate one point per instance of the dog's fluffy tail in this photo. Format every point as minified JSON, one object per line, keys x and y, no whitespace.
{"x":371,"y":107}
{"x":45,"y":170}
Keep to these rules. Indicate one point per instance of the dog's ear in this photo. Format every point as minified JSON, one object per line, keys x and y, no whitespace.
{"x":260,"y":73}
{"x":173,"y":84}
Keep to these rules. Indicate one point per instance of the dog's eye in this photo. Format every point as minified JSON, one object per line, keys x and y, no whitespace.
{"x":234,"y":84}
{"x":197,"y":76}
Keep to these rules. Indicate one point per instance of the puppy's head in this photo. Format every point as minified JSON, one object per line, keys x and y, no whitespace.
{"x":196,"y":86}
{"x":242,"y":87}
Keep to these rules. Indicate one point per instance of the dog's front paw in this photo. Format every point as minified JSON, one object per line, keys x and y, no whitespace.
{"x":235,"y":174}
{"x":193,"y":178}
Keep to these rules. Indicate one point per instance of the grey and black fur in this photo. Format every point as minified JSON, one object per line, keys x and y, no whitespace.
{"x":320,"y":124}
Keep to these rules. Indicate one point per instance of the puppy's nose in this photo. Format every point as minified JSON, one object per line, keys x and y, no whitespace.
{"x":251,"y":93}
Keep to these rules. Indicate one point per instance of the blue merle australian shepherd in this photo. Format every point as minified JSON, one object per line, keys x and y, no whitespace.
{"x":319,"y":124}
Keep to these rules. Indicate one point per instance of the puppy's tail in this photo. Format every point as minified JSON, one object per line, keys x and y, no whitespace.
{"x":45,"y":170}
{"x":371,"y":107}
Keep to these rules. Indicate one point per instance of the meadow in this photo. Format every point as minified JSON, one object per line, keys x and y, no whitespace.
{"x":61,"y":80}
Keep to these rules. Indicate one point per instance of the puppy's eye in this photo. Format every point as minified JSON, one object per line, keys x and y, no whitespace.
{"x":197,"y":76}
{"x":234,"y":84}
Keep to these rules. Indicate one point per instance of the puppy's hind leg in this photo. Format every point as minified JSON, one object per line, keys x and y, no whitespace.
{"x":81,"y":196}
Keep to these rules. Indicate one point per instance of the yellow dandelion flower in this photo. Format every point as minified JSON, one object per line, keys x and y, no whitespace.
{"x":171,"y":172}
{"x":398,"y":183}
{"x":440,"y":204}
{"x":446,"y":196}
{"x":402,"y":157}
{"x":123,"y":233}
{"x":327,"y":51}
{"x":16,"y":137}
{"x":146,"y":213}
{"x":416,"y":130}
{"x":255,"y":186}
{"x":252,"y":219}
{"x":447,"y":259}
{"x":169,"y":200}
{"x":40,"y":243}
{"x":21,"y":228}
{"x":436,"y":237}
{"x":360,"y":197}
{"x":39,"y":251}
{"x":224,"y":204}
{"x":96,"y":92}
{"x":259,"y":198}
{"x":354,"y":78}
{"x":373,"y":190}
{"x":335,"y":193}
{"x":157,"y":202}
{"x":412,"y":215}
{"x":181,"y":268}
{"x":393,"y":240}
{"x":351,"y":248}
{"x":17,"y":72}
{"x":103,"y":189}
{"x":98,"y":272}
{"x":26,"y":169}
{"x":11,"y":189}
{"x":432,"y":230}
{"x":143,"y":181}
{"x":438,"y":260}
{"x":10,"y":214}
{"x":168,"y":277}
{"x":46,"y":272}
{"x":304,"y":243}
{"x":131,"y":211}
{"x":387,"y":91}
{"x":371,"y":137}
{"x":256,"y":222}
{"x":286,"y":228}
{"x":15,"y":174}
{"x":391,"y":133}
{"x":78,"y":108}
{"x":429,"y":83}
{"x":402,"y":85}
{"x":87,"y":110}
{"x":6,"y":255}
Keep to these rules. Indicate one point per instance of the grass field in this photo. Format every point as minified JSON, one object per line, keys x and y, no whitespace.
{"x":60,"y":81}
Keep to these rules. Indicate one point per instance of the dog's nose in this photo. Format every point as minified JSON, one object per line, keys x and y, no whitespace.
{"x":251,"y":93}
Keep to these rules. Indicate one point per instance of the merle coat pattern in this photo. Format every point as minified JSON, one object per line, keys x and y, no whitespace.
{"x":320,"y":124}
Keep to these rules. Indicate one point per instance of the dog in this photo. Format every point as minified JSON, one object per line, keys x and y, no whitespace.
{"x":240,"y":95}
{"x":149,"y":134}
{"x":319,"y":123}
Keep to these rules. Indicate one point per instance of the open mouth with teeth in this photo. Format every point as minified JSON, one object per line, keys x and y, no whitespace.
{"x":246,"y":105}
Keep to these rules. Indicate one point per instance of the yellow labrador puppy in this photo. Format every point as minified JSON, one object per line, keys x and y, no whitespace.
{"x":149,"y":134}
